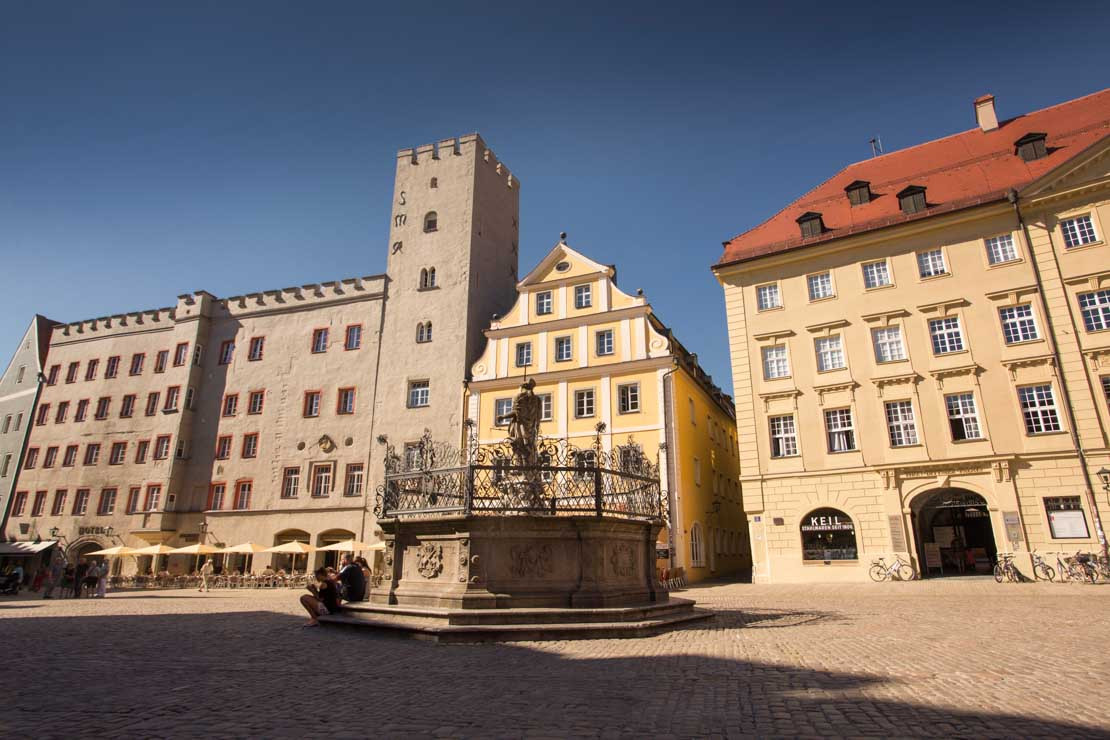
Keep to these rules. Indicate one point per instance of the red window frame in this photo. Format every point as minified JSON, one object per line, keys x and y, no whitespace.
{"x":161,"y":360}
{"x":60,"y":414}
{"x":59,"y":506}
{"x":250,"y":401}
{"x":180,"y":354}
{"x":319,"y":404}
{"x":142,"y":449}
{"x":134,"y":493}
{"x":176,"y":396}
{"x":223,"y":406}
{"x":50,"y":457}
{"x":238,"y":485}
{"x":126,"y":409}
{"x":224,"y":347}
{"x":212,"y":492}
{"x":71,"y":372}
{"x":31,"y":459}
{"x":339,"y":401}
{"x":19,"y":503}
{"x":141,"y":358}
{"x":122,"y":448}
{"x":151,"y":488}
{"x":38,"y":506}
{"x":68,"y":460}
{"x":43,"y":414}
{"x":52,"y":376}
{"x":153,"y":399}
{"x":82,"y":411}
{"x":90,"y":369}
{"x":347,"y":337}
{"x":81,"y":500}
{"x":107,"y":403}
{"x":100,"y":504}
{"x":243,"y":448}
{"x":223,"y":454}
{"x":158,"y":446}
{"x":315,"y":333}
{"x":261,"y":348}
{"x":111,"y":368}
{"x":89,"y":448}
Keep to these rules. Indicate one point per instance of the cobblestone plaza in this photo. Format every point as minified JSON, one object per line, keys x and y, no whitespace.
{"x":936,"y":658}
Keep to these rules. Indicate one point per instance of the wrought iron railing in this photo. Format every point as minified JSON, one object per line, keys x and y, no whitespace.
{"x":430,"y":479}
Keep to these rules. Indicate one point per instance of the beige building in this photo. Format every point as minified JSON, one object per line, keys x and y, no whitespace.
{"x":253,"y":417}
{"x":921,"y":353}
{"x":615,"y":382}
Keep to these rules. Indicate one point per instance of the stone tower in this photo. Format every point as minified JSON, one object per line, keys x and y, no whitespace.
{"x":452,"y":265}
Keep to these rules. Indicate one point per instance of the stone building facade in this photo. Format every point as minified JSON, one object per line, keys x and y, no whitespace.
{"x":254,"y":417}
{"x":921,"y":353}
{"x":612,"y":376}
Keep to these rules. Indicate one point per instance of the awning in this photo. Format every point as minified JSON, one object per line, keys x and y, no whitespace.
{"x":25,"y":548}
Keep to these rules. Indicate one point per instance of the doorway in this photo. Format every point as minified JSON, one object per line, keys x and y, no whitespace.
{"x":954,"y":534}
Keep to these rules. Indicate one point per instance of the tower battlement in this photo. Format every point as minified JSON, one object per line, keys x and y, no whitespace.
{"x":455,"y":147}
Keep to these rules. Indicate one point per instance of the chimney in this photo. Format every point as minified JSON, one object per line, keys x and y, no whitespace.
{"x":984,"y":112}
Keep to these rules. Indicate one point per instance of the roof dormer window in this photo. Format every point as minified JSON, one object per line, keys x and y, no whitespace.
{"x":1031,"y":146}
{"x":859,"y":192}
{"x":811,"y":224}
{"x":912,"y":199}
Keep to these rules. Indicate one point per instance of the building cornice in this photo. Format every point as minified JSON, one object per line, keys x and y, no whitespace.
{"x":577,"y":373}
{"x":603,"y":317}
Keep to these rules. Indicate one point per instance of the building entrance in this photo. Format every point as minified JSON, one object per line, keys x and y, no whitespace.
{"x":954,"y":534}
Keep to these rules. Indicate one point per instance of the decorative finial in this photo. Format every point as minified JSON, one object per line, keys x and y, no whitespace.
{"x":640,"y":291}
{"x":562,"y":237}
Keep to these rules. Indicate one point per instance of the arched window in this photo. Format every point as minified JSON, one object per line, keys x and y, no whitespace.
{"x":828,"y":534}
{"x":427,"y":278}
{"x":697,"y":546}
{"x":431,"y":221}
{"x":424,"y":332}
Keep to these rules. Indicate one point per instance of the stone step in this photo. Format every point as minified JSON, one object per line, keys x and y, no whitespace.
{"x":461,"y":617}
{"x":425,"y":628}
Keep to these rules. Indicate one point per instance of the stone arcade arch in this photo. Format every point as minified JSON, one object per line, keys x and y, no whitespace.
{"x":953,"y":531}
{"x":330,"y":537}
{"x":288,"y":562}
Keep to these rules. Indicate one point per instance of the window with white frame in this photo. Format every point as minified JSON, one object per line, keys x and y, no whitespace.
{"x":216,"y":494}
{"x":1038,"y":409}
{"x":931,"y":263}
{"x":820,"y":286}
{"x":256,"y":399}
{"x":900,"y":423}
{"x":888,"y":344}
{"x":946,"y":335}
{"x":839,"y":430}
{"x":545,"y":406}
{"x":345,"y":403}
{"x":352,"y":483}
{"x":830,"y":353}
{"x":564,"y":349}
{"x":767,"y":297}
{"x":876,"y":275}
{"x":697,"y":546}
{"x":320,"y":479}
{"x":1001,"y":249}
{"x":1078,"y":231}
{"x":319,"y":340}
{"x":1018,"y":324}
{"x":290,"y":482}
{"x":424,"y":332}
{"x":243,"y":494}
{"x":257,"y":346}
{"x":583,"y":296}
{"x":523,"y":354}
{"x":784,"y":438}
{"x":584,"y":403}
{"x":419,"y":393}
{"x":604,"y":341}
{"x":227,"y":351}
{"x":775,"y":362}
{"x":543,"y":303}
{"x":963,"y":417}
{"x":502,"y":407}
{"x":1095,"y":308}
{"x":311,"y":404}
{"x":628,"y":398}
{"x":1106,"y":388}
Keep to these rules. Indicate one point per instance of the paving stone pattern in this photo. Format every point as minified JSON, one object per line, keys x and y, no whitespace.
{"x":938,"y":659}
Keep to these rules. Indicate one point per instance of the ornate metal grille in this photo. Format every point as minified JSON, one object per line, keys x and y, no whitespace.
{"x":432,"y":478}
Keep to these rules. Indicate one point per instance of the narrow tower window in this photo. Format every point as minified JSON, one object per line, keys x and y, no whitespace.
{"x":431,"y":221}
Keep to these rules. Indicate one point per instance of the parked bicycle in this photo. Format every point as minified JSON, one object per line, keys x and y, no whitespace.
{"x":1088,"y":566}
{"x":899,"y":569}
{"x":1005,"y":569}
{"x":1042,"y":570}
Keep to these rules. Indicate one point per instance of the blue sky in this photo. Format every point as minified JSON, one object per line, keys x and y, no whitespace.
{"x":150,"y":149}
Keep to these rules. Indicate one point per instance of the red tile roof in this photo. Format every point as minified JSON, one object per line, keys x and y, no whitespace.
{"x":958,"y":171}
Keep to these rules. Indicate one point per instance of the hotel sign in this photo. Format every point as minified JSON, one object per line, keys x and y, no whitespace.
{"x":82,"y":531}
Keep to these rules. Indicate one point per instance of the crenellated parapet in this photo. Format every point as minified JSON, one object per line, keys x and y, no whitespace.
{"x":124,"y":323}
{"x":368,"y":287}
{"x":468,"y":145}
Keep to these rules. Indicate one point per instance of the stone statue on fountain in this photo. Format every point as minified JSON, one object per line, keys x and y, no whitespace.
{"x":524,"y":429}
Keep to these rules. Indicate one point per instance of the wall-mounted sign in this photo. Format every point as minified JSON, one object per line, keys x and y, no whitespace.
{"x":81,"y":531}
{"x":897,"y":533}
{"x":827,"y":523}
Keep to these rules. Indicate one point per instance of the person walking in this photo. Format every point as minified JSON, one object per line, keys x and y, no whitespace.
{"x":79,"y":575}
{"x":102,"y":580}
{"x":206,"y":572}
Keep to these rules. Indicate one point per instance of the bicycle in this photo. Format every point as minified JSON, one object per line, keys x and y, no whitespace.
{"x":1088,"y":567}
{"x":1005,"y":569}
{"x":899,"y":569}
{"x":1041,"y":569}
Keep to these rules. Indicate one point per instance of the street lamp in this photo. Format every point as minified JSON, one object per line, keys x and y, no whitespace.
{"x":1104,"y":476}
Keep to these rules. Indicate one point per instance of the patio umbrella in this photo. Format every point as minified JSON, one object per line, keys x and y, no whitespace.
{"x":246,"y":548}
{"x":154,"y":551}
{"x":198,"y":549}
{"x":353,"y":546}
{"x":293,"y":548}
{"x":113,"y":552}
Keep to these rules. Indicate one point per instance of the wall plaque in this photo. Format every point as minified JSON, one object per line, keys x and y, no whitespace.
{"x":897,"y":534}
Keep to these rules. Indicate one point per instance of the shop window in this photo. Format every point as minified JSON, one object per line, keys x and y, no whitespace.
{"x":828,"y":534}
{"x":1066,"y":518}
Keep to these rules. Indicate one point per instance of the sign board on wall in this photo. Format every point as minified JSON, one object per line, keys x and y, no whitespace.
{"x":897,"y":533}
{"x":1013,"y":525}
{"x":1067,"y":524}
{"x":932,"y":556}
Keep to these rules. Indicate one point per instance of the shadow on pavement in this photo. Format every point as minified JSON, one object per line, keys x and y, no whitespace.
{"x":254,"y":673}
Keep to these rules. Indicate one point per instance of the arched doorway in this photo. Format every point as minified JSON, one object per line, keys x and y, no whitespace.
{"x":954,"y":533}
{"x":286,"y":561}
{"x":330,"y":537}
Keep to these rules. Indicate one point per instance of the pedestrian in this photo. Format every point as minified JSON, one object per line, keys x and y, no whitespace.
{"x":354,"y":582}
{"x":366,"y":573}
{"x":17,"y":575}
{"x":40,"y":577}
{"x":79,"y":574}
{"x":102,"y":580}
{"x":206,"y":572}
{"x":92,"y":575}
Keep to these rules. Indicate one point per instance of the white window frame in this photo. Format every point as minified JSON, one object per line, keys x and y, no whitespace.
{"x":871,"y":276}
{"x":502,"y":407}
{"x":544,"y":303}
{"x":822,"y":281}
{"x":523,"y":354}
{"x":290,"y":482}
{"x":1094,"y":307}
{"x":560,"y":344}
{"x":931,"y":263}
{"x":776,"y":362}
{"x":628,"y":398}
{"x":1018,"y":324}
{"x":901,"y":423}
{"x":1078,"y":231}
{"x":783,"y":435}
{"x":547,"y":406}
{"x":946,"y":335}
{"x":840,"y":430}
{"x":603,"y":342}
{"x":585,"y":406}
{"x":768,"y":297}
{"x":830,"y":350}
{"x":1038,"y":409}
{"x":419,"y":394}
{"x":962,"y":407}
{"x":583,"y":296}
{"x":888,"y":344}
{"x":1001,"y":249}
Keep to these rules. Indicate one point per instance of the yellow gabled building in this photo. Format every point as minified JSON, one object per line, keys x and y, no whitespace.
{"x":608,"y":370}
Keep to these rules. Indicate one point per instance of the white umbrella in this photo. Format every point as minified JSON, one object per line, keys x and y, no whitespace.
{"x":113,"y":552}
{"x":197,"y":549}
{"x":293,"y":548}
{"x":353,"y":546}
